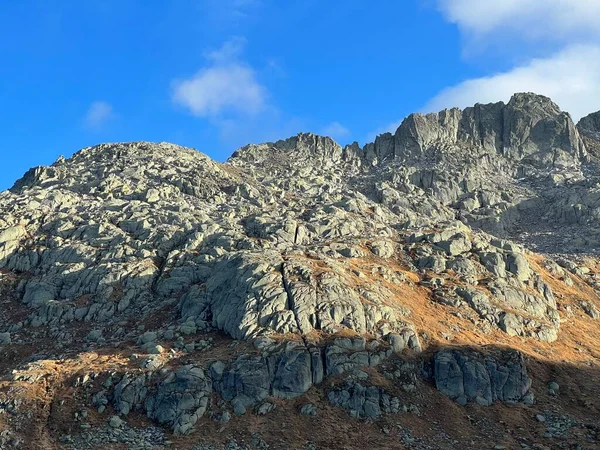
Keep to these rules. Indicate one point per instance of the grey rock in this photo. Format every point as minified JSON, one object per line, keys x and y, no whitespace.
{"x":130,"y":393}
{"x":406,"y":339}
{"x":494,"y":262}
{"x":265,"y":408}
{"x":5,"y":338}
{"x":553,"y":388}
{"x":456,"y":245}
{"x":94,"y":335}
{"x":518,"y":265}
{"x":147,"y":337}
{"x":590,"y":309}
{"x":435,"y":263}
{"x":223,"y":417}
{"x":383,"y":249}
{"x":115,"y":422}
{"x":163,"y":223}
{"x":293,"y":374}
{"x":308,"y":410}
{"x":247,"y":381}
{"x":484,"y":380}
{"x":360,"y":401}
{"x":180,"y":399}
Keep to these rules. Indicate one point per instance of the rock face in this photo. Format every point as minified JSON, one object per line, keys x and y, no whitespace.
{"x":530,"y":128}
{"x":590,"y":125}
{"x":471,"y":377}
{"x":178,"y":400}
{"x":325,"y":258}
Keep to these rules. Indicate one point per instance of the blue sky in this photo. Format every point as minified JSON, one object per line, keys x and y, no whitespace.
{"x":217,"y":74}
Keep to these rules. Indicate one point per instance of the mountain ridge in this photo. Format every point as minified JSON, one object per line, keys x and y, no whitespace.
{"x":414,"y":122}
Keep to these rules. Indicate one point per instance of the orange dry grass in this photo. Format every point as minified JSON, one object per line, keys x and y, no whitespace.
{"x":577,"y":341}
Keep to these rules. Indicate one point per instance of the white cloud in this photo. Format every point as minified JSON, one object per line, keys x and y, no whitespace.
{"x":336,"y":131}
{"x":98,"y":114}
{"x":225,"y":85}
{"x":547,"y":20}
{"x":219,"y":89}
{"x":571,"y":78}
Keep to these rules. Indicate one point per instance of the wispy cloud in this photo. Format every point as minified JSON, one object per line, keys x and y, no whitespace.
{"x":229,"y":14}
{"x":98,"y":114}
{"x":336,"y":131}
{"x":225,"y":85}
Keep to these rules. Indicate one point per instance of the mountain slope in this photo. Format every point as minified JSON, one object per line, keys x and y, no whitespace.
{"x":449,"y":267}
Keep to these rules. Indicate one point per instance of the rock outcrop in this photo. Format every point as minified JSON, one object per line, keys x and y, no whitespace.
{"x":465,"y":377}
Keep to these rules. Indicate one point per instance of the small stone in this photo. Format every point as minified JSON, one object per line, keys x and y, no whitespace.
{"x":187,"y":329}
{"x":265,"y":408}
{"x":189,"y":348}
{"x":94,"y":336}
{"x":5,"y":338}
{"x":529,"y":398}
{"x":169,"y":334}
{"x":152,"y":196}
{"x":540,"y":418}
{"x":590,"y":309}
{"x":115,"y":422}
{"x":238,"y":407}
{"x":153,"y":349}
{"x":223,"y":417}
{"x":462,"y":400}
{"x":308,"y":410}
{"x":147,"y":337}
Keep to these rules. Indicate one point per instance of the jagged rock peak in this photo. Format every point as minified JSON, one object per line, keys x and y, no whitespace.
{"x":530,"y":128}
{"x":303,"y":144}
{"x":589,"y":128}
{"x":532,"y":102}
{"x":590,"y":124}
{"x":305,"y":149}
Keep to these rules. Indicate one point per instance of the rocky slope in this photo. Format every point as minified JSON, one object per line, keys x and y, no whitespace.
{"x":435,"y":289}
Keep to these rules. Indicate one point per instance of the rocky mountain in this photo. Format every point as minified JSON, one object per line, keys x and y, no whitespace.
{"x":435,"y":289}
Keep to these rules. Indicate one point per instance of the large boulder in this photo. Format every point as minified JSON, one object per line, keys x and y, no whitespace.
{"x":469,"y":376}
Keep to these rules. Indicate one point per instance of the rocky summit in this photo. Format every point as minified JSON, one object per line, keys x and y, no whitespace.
{"x":435,"y":289}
